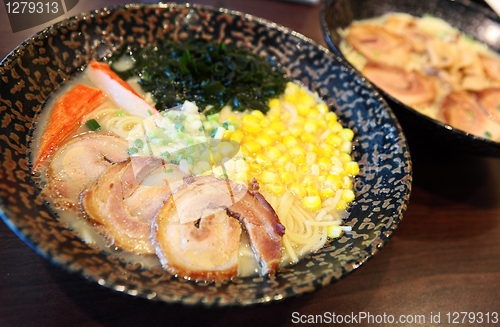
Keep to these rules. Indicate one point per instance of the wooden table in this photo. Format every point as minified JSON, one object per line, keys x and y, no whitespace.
{"x":444,"y":258}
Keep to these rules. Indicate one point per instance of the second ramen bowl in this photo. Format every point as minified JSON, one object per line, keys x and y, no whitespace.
{"x":472,"y":19}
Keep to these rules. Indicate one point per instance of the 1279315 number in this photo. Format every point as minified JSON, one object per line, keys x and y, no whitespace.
{"x":23,"y":7}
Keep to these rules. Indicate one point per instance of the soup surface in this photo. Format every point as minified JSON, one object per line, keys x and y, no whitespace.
{"x":206,"y":192}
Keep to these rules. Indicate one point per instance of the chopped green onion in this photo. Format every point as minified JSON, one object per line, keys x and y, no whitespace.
{"x":468,"y":37}
{"x":120,"y":113}
{"x":166,"y":154}
{"x":179,"y":126}
{"x":224,"y":176}
{"x":487,"y":134}
{"x":169,"y":170}
{"x":138,"y":143}
{"x":132,"y":151}
{"x":213,"y":117}
{"x":93,"y":125}
{"x":150,"y":113}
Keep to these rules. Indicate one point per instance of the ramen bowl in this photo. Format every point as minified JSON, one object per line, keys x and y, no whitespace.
{"x":46,"y":61}
{"x":421,"y":130}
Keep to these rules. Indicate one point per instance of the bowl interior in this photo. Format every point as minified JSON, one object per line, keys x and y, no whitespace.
{"x":469,"y":18}
{"x":41,"y":64}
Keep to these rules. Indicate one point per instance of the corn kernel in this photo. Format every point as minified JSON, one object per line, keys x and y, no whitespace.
{"x":312,"y":202}
{"x":250,"y":119}
{"x":283,"y":160}
{"x":262,"y":160}
{"x":277,"y":126}
{"x":306,"y":99}
{"x":273,"y":153}
{"x":314,"y":114}
{"x":227,"y":135}
{"x":286,"y":177}
{"x":347,"y":195}
{"x":341,"y":205}
{"x":298,"y":190}
{"x":322,"y":108}
{"x":303,"y":110}
{"x":345,"y":157}
{"x":299,"y":160}
{"x":281,"y":147}
{"x":264,"y":140}
{"x":264,"y":122}
{"x":255,"y":168}
{"x":315,"y":170}
{"x":290,"y":141}
{"x":334,"y":231}
{"x":252,"y":146}
{"x":347,"y":182}
{"x":291,"y":168}
{"x":275,"y":188}
{"x":310,"y":127}
{"x":331,"y":116}
{"x":334,"y":139}
{"x":333,"y":181}
{"x":321,"y":124}
{"x":232,"y":118}
{"x":297,"y":151}
{"x":237,"y":136}
{"x":274,"y":103}
{"x":316,"y":150}
{"x":346,"y":147}
{"x":346,"y":134}
{"x":268,"y":177}
{"x":258,"y":114}
{"x":291,"y":98}
{"x":251,"y":128}
{"x":307,"y":138}
{"x":327,"y":193}
{"x":271,"y":132}
{"x":303,"y":169}
{"x":351,"y":168}
{"x":334,"y":126}
{"x":324,"y":163}
{"x":216,"y":157}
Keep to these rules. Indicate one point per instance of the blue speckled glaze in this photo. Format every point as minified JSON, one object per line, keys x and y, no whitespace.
{"x":38,"y":66}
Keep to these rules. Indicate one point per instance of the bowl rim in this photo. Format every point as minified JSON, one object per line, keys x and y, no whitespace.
{"x":328,"y":37}
{"x":378,"y":242}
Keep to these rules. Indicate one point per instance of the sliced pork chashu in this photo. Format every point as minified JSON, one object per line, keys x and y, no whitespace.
{"x":124,"y":200}
{"x":79,"y":162}
{"x":378,"y":44}
{"x":197,"y":232}
{"x":461,"y":110}
{"x":411,"y":88}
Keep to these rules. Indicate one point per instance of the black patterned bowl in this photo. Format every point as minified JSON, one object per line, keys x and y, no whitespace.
{"x":47,"y":60}
{"x":475,"y":20}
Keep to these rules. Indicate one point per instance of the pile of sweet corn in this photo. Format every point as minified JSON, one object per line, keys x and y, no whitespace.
{"x":310,"y":157}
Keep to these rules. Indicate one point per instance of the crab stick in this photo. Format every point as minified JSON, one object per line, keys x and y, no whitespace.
{"x":105,"y":79}
{"x":68,"y":111}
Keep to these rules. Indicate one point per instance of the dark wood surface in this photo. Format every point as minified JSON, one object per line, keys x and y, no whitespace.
{"x":444,"y":258}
